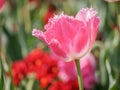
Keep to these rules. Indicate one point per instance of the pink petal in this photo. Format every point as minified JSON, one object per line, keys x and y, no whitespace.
{"x":67,"y":71}
{"x":94,"y":22}
{"x":86,"y":14}
{"x":89,"y":81}
{"x":39,"y":34}
{"x":1,"y":4}
{"x":53,"y":43}
{"x":56,"y":48}
{"x":81,"y":41}
{"x":64,"y":28}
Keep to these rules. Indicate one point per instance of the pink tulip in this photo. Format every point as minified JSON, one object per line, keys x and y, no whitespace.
{"x":1,"y":4}
{"x":70,"y":37}
{"x":67,"y":71}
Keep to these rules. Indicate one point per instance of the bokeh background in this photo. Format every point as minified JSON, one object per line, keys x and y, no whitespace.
{"x":19,"y":17}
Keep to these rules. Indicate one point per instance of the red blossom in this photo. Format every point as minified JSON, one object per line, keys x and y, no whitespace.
{"x":38,"y":62}
{"x":47,"y":71}
{"x":49,"y":13}
{"x":18,"y":71}
{"x":71,"y":85}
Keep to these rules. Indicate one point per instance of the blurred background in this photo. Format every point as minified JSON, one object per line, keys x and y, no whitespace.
{"x":19,"y":17}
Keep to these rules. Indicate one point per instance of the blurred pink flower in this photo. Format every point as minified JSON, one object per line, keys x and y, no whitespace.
{"x":1,"y":4}
{"x":70,"y":37}
{"x":112,"y":0}
{"x":67,"y":71}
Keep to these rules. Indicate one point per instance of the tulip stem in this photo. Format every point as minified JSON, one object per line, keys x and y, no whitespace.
{"x":79,"y":74}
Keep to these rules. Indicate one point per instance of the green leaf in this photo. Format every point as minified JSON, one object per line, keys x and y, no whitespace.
{"x":2,"y":83}
{"x":112,"y":80}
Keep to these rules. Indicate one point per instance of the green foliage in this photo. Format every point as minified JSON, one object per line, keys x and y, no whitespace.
{"x":2,"y":86}
{"x":19,"y":17}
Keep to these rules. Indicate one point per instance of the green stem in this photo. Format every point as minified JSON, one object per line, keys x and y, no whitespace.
{"x":79,"y":74}
{"x":90,"y":2}
{"x":118,"y":15}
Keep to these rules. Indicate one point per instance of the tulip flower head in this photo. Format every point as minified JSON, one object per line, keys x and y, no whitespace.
{"x":70,"y":37}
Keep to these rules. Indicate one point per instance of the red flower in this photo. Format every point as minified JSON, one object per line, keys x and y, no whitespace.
{"x":56,"y":85}
{"x":71,"y":85}
{"x":50,"y":13}
{"x":33,"y":60}
{"x":45,"y":81}
{"x":18,"y":71}
{"x":43,"y":65}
